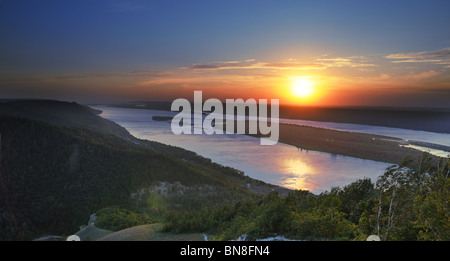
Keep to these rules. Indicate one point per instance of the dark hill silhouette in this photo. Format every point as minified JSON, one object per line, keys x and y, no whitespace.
{"x":63,"y":113}
{"x":60,"y":162}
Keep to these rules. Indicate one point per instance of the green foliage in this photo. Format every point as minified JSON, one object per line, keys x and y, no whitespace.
{"x":408,"y":202}
{"x":270,"y":216}
{"x":316,"y":225}
{"x":413,"y":201}
{"x":433,"y":209}
{"x":115,"y":218}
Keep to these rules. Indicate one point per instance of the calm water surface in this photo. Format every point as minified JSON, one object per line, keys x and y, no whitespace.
{"x":279,"y":164}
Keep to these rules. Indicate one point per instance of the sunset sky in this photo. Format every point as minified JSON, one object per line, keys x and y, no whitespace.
{"x":321,"y":53}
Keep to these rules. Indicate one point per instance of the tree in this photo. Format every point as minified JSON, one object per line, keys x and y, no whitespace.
{"x":390,"y":184}
{"x":4,"y":180}
{"x":433,"y":207}
{"x":355,"y":197}
{"x":413,"y":199}
{"x":331,"y":202}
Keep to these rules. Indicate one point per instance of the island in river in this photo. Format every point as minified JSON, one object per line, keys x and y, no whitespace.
{"x":359,"y":145}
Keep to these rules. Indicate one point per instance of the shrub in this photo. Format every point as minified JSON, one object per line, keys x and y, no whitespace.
{"x":115,"y":218}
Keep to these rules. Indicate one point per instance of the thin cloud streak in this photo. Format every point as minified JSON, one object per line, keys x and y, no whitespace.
{"x":441,"y":56}
{"x":291,"y":64}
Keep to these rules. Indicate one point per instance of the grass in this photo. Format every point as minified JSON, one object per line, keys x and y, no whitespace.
{"x":151,"y":232}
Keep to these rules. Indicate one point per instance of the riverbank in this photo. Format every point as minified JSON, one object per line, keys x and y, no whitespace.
{"x":358,"y":145}
{"x":353,"y":144}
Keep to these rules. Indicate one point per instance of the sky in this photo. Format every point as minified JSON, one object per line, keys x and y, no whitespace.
{"x":314,"y":53}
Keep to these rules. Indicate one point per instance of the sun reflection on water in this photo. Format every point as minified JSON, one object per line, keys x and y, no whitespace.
{"x":280,"y":164}
{"x":297,"y":174}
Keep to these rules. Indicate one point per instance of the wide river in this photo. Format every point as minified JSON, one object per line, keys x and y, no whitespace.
{"x":279,"y":164}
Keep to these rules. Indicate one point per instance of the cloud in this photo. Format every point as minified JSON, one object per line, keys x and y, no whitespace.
{"x":222,"y":65}
{"x":442,"y":53}
{"x":412,"y":77}
{"x":441,"y":56}
{"x":291,"y":64}
{"x":294,"y":66}
{"x":419,"y":76}
{"x":351,"y":62}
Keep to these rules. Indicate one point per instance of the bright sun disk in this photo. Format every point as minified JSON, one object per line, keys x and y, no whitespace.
{"x":303,"y":87}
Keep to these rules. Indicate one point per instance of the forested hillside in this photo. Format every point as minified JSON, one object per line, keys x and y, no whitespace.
{"x":408,"y":202}
{"x":53,"y":177}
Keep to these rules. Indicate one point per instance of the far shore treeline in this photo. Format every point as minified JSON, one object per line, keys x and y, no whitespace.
{"x":426,"y":119}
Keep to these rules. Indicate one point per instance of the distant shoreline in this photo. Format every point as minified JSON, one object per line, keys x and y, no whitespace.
{"x":353,"y":144}
{"x":424,"y":119}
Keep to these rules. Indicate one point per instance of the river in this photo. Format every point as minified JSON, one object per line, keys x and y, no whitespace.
{"x":279,"y":164}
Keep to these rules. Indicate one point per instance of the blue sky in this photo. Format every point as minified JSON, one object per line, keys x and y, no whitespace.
{"x":129,"y":49}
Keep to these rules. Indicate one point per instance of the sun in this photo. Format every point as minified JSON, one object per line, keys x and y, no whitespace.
{"x":302,"y":87}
